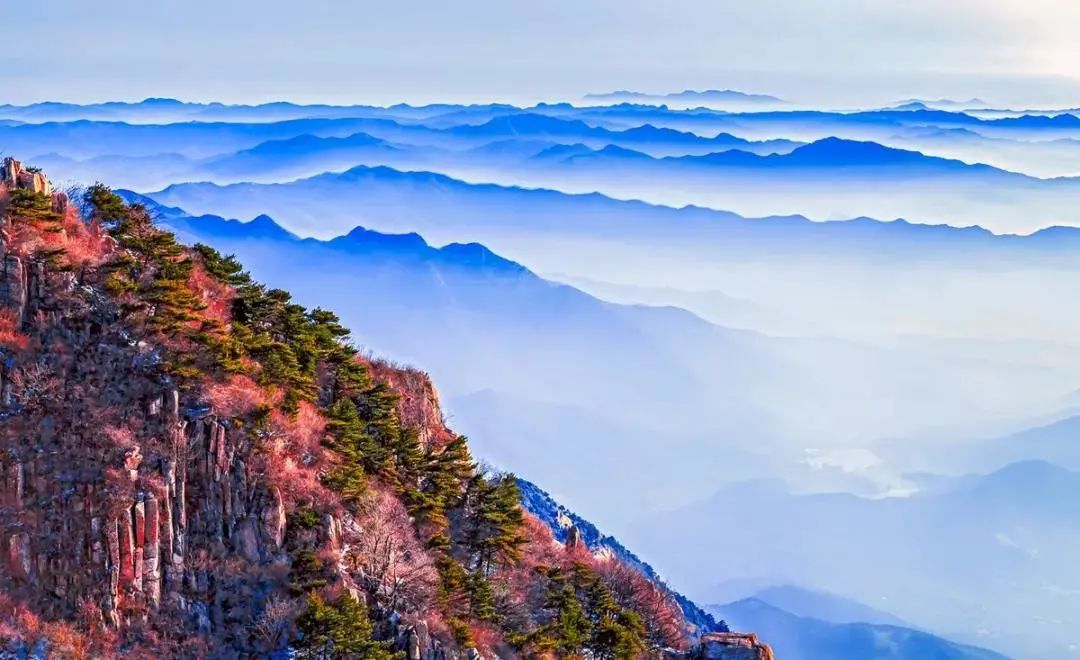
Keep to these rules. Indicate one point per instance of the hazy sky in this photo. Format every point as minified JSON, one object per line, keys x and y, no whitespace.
{"x":828,"y":51}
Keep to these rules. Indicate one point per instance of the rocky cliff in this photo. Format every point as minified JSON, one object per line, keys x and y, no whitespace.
{"x":121,"y":490}
{"x":734,"y":646}
{"x":192,"y":465}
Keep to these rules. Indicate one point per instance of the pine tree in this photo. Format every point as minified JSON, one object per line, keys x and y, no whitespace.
{"x":617,"y":633}
{"x":495,"y":522}
{"x":481,"y":597}
{"x":103,"y":205}
{"x":443,"y":475}
{"x":570,"y":629}
{"x":339,"y":630}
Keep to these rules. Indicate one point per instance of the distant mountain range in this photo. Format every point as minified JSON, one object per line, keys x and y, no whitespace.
{"x":982,"y":545}
{"x":940,"y":104}
{"x":832,"y":178}
{"x":592,"y":237}
{"x":442,"y":207}
{"x":708,"y":97}
{"x":828,"y":154}
{"x":1057,"y":442}
{"x":795,"y":637}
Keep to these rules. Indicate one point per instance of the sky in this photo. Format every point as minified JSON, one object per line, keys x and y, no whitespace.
{"x":826,"y":52}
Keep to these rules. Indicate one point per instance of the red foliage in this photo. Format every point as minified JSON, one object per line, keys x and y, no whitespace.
{"x":488,"y":641}
{"x":10,"y":336}
{"x":662,"y":615}
{"x":237,"y":396}
{"x":418,"y":401}
{"x":217,"y":297}
{"x":294,"y":455}
{"x":121,"y":436}
{"x":64,"y":640}
{"x":84,"y":244}
{"x":540,"y":551}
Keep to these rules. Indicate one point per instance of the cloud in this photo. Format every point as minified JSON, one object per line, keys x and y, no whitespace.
{"x":877,"y":480}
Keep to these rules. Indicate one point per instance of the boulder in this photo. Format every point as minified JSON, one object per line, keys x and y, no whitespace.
{"x":734,"y":646}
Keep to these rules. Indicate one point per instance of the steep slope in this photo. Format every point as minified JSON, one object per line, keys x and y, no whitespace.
{"x":196,"y":466}
{"x":466,"y":313}
{"x":565,"y":524}
{"x":587,"y":373}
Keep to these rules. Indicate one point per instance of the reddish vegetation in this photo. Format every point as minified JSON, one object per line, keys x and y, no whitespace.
{"x":10,"y":336}
{"x":217,"y":297}
{"x":663,"y":618}
{"x":293,"y":457}
{"x":388,"y":556}
{"x":238,"y":396}
{"x":418,"y":402}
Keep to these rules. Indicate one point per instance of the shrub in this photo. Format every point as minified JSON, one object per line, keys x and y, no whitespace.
{"x":236,"y":397}
{"x":305,"y":519}
{"x":11,"y":337}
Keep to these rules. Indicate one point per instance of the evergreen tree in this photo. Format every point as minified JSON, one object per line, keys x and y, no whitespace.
{"x":444,"y":473}
{"x":338,"y":630}
{"x":481,"y":597}
{"x":494,"y":523}
{"x":570,"y":629}
{"x":617,"y":633}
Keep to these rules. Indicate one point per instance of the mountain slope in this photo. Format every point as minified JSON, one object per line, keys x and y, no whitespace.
{"x":824,"y":606}
{"x":586,"y":372}
{"x":466,"y":313}
{"x":561,"y":520}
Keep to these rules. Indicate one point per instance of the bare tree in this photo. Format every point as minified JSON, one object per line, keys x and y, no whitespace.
{"x":385,"y":557}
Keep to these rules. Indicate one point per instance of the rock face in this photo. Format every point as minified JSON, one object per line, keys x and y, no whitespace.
{"x":14,"y":175}
{"x":418,"y":401}
{"x":734,"y":646}
{"x":573,"y":538}
{"x":89,"y":514}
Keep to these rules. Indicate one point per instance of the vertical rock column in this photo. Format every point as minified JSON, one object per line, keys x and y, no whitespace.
{"x":139,"y":537}
{"x":152,"y":552}
{"x":112,"y":601}
{"x":126,"y":550}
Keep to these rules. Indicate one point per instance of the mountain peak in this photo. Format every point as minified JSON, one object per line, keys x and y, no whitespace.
{"x":527,"y":123}
{"x":361,"y":237}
